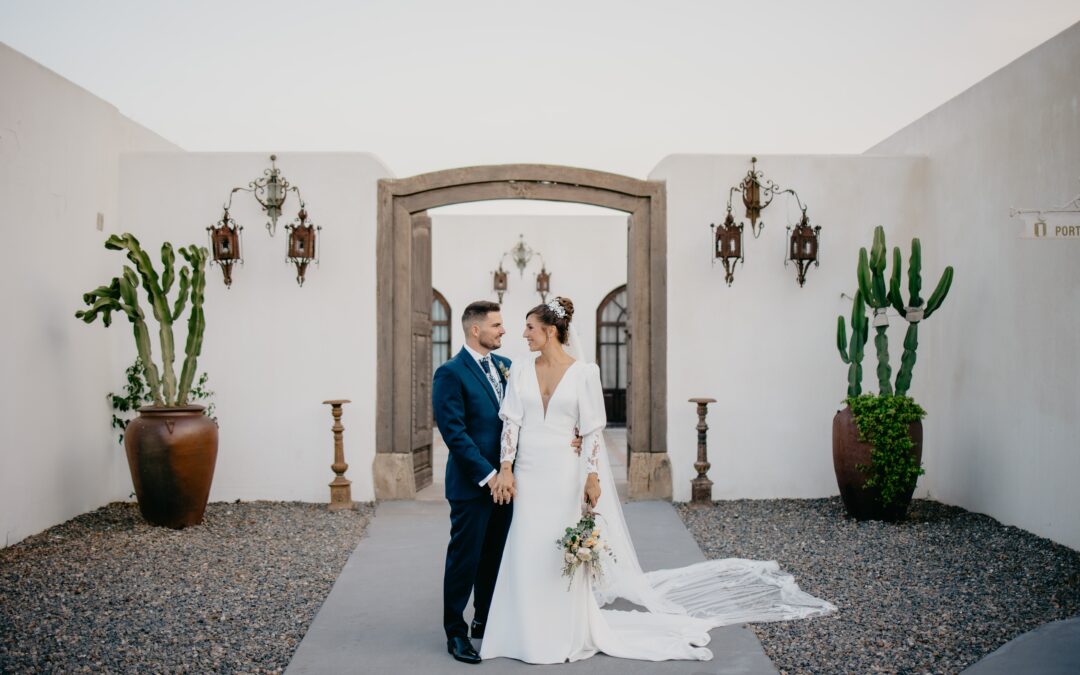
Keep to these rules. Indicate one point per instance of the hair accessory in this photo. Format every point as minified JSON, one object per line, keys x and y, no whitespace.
{"x":556,"y":306}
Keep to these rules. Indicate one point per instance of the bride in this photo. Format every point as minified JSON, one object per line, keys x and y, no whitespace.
{"x":534,"y":616}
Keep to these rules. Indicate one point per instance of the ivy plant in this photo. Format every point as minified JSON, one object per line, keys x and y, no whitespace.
{"x":883,"y":422}
{"x":137,"y":393}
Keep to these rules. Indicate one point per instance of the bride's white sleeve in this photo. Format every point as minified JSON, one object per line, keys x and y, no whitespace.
{"x":511,"y":413}
{"x":592,"y":417}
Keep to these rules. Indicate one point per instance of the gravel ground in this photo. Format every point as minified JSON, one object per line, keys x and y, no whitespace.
{"x":105,"y":592}
{"x":933,"y":594}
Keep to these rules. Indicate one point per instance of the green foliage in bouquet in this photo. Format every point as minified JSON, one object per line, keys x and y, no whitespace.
{"x":583,"y":545}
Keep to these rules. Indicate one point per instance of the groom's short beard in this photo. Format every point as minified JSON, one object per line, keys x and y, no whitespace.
{"x":490,"y":344}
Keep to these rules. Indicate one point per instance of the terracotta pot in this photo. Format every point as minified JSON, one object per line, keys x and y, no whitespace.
{"x":171,"y":453}
{"x":849,"y":452}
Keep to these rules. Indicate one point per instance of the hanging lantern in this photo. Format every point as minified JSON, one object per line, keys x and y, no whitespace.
{"x":727,"y":245}
{"x":225,"y":244}
{"x":303,"y":243}
{"x":543,"y":283}
{"x":803,"y":242}
{"x":500,"y":282}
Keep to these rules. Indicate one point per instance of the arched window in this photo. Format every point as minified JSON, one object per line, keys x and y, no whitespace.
{"x":440,"y":330}
{"x":611,"y":353}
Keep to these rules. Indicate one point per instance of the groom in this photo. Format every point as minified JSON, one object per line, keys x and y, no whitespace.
{"x":466,"y":395}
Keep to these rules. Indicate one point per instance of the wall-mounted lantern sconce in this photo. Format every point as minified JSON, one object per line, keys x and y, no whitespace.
{"x":543,"y":283}
{"x":803,"y":241}
{"x":303,"y":244}
{"x":270,"y":192}
{"x":753,"y":190}
{"x":521,"y":254}
{"x":225,"y":236}
{"x":757,"y":193}
{"x":727,"y":245}
{"x":500,"y":282}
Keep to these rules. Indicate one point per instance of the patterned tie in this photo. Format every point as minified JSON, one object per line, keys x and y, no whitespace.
{"x":492,"y":378}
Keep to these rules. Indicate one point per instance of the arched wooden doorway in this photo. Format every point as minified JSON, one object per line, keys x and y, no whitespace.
{"x":611,"y":353}
{"x":403,"y":253}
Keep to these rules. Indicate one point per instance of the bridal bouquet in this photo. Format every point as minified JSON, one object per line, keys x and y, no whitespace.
{"x":582,"y":546}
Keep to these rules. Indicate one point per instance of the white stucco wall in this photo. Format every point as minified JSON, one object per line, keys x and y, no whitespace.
{"x":274,"y":351}
{"x":59,"y":150}
{"x":1005,"y":397}
{"x":585,"y":254}
{"x":764,"y":347}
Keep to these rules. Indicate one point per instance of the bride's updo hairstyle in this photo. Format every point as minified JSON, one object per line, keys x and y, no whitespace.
{"x":555,"y":312}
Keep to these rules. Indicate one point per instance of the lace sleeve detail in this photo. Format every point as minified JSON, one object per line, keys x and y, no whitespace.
{"x":590,"y":447}
{"x":509,"y":443}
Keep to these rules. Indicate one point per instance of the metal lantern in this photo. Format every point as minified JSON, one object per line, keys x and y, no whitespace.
{"x":500,"y":282}
{"x":303,"y":244}
{"x":727,"y":245}
{"x":803,"y":243}
{"x":543,"y":283}
{"x":271,"y":192}
{"x":225,"y":244}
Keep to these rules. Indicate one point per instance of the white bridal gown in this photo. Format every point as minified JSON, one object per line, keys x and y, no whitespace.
{"x":535,"y":618}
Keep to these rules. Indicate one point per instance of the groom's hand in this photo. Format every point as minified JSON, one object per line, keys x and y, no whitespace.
{"x":576,"y":443}
{"x":503,"y":488}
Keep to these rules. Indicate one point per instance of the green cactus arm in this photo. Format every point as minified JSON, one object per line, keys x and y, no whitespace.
{"x":896,"y":299}
{"x":129,"y":294}
{"x":907,"y":361}
{"x":841,"y":339}
{"x":862,"y":275}
{"x":181,"y":298}
{"x":196,"y":257}
{"x":877,"y":251}
{"x":884,"y":370}
{"x":915,"y":273}
{"x":103,"y":307}
{"x":942,"y":290}
{"x":168,"y":261}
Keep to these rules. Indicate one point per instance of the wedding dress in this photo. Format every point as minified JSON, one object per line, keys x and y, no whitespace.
{"x":539,"y":616}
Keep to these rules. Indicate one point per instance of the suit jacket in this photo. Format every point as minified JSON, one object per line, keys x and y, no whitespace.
{"x":467,"y":414}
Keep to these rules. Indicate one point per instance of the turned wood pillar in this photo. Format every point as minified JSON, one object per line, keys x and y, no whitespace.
{"x":701,"y":487}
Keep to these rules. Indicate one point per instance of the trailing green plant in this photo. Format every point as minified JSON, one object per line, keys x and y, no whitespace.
{"x":852,"y":353}
{"x":883,"y":422}
{"x":121,"y":295}
{"x":871,"y":278}
{"x":136,"y":394}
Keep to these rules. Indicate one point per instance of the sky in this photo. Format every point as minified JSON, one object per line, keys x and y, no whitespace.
{"x":614,"y":86}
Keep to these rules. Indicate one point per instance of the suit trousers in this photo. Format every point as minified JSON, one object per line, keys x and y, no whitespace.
{"x":478,"y":529}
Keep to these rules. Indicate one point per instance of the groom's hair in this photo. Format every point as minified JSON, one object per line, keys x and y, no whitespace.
{"x":478,"y":311}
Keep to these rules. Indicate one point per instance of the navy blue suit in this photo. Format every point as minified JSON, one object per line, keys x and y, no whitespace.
{"x":467,"y":414}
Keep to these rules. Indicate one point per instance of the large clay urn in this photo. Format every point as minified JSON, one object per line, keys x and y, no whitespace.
{"x":848,"y":453}
{"x":171,"y":453}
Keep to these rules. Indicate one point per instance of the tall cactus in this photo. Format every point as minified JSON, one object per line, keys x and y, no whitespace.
{"x":852,"y":354}
{"x":914,"y":312}
{"x":122,"y":295}
{"x":871,"y":277}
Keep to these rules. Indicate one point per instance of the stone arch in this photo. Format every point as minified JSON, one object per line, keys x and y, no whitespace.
{"x":403,"y":254}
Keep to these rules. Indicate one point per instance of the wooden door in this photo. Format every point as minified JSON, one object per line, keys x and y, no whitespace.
{"x":421,"y":350}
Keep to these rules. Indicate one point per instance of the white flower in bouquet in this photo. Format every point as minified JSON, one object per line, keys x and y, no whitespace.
{"x":569,"y":557}
{"x":585,"y":553}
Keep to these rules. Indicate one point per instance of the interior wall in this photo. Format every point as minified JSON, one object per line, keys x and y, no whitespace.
{"x":59,"y":153}
{"x":764,"y":347}
{"x":585,"y":254}
{"x":274,"y":351}
{"x":1003,"y":402}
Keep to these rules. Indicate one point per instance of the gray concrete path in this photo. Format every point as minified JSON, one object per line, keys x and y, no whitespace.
{"x":384,"y":613}
{"x":1050,"y":649}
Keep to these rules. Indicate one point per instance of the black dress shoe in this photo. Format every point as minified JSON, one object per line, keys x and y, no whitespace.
{"x":462,"y":650}
{"x":477,"y":630}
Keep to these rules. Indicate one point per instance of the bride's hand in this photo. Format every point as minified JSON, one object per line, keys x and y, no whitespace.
{"x":592,"y":490}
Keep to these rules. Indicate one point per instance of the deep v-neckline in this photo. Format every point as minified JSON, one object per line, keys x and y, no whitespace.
{"x":540,"y":391}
